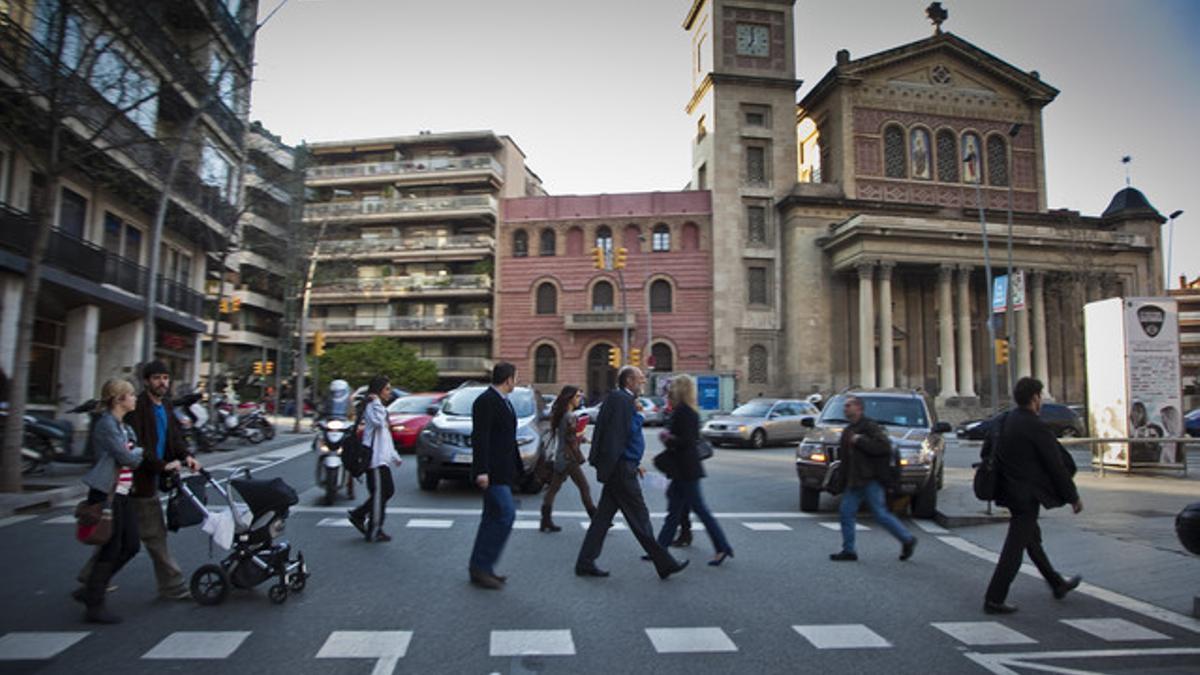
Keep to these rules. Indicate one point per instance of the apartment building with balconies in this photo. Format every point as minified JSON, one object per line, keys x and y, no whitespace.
{"x":407,"y":229}
{"x":129,"y":79}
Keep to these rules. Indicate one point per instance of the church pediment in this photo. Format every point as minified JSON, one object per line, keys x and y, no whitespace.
{"x":940,"y":72}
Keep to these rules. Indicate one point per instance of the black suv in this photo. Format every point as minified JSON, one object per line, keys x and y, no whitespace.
{"x":915,"y":434}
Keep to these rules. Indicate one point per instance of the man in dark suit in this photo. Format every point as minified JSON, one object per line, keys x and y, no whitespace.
{"x":1032,"y":473}
{"x":617,"y":456}
{"x":495,"y":467}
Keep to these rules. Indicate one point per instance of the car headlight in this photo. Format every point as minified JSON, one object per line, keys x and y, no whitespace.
{"x":742,"y":429}
{"x":811,"y":450}
{"x":914,"y":455}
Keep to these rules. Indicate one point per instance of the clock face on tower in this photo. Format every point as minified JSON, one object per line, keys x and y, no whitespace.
{"x":753,"y":39}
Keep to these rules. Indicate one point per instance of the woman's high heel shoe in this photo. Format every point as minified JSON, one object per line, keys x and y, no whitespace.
{"x":716,"y":562}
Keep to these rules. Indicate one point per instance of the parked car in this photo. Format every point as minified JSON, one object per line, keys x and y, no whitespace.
{"x":408,"y":415}
{"x":652,"y":413}
{"x":761,"y":421}
{"x":590,"y":410}
{"x":1063,"y":420}
{"x":547,"y":404}
{"x":1191,"y":423}
{"x":444,"y":445}
{"x":916,"y":438}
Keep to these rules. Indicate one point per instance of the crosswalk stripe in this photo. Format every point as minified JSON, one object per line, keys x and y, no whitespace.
{"x":68,"y":519}
{"x":615,"y":526}
{"x":386,"y":646}
{"x":13,"y":520}
{"x":766,"y":527}
{"x":837,"y":527}
{"x":690,"y":640}
{"x":842,"y":636}
{"x":198,"y":645}
{"x":531,"y":642}
{"x":32,"y":645}
{"x":430,"y":523}
{"x":1115,"y":630}
{"x":335,"y":522}
{"x":983,"y":633}
{"x":930,"y":526}
{"x":526,"y":524}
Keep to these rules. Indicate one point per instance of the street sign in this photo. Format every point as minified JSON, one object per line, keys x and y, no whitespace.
{"x":709,"y":389}
{"x":1000,"y":287}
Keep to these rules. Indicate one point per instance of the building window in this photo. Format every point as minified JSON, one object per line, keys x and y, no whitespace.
{"x":756,"y":224}
{"x":602,"y":297}
{"x":72,"y":213}
{"x":756,"y":116}
{"x":660,"y":297}
{"x":545,"y":365}
{"x":895,"y":160}
{"x":661,"y":238}
{"x":972,"y":157}
{"x":758,"y":364}
{"x":756,"y":165}
{"x":604,"y":238}
{"x":758,"y":287}
{"x":547,"y":298}
{"x":520,"y":244}
{"x":216,"y":170}
{"x":997,"y":161}
{"x":691,"y":237}
{"x":221,"y":75}
{"x":575,"y":241}
{"x":920,"y":154}
{"x":548,"y":243}
{"x":664,"y":358}
{"x":632,"y":239}
{"x":947,"y":156}
{"x":121,"y":238}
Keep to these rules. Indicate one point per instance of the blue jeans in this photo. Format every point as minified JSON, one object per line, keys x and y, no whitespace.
{"x":495,"y":525}
{"x":682,"y":496}
{"x":873,"y":493}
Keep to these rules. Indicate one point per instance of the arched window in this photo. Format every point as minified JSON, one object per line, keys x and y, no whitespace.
{"x":691,"y":237}
{"x":758,"y":364}
{"x":632,"y":238}
{"x":661,"y":238}
{"x":664,"y":358}
{"x":972,"y":158}
{"x":575,"y":241}
{"x":947,"y":156}
{"x":547,"y":243}
{"x":545,"y":365}
{"x":921,"y":153}
{"x":660,"y":296}
{"x":602,"y":297}
{"x":895,"y":159}
{"x":547,"y":298}
{"x":997,"y":160}
{"x":520,"y":244}
{"x":604,"y":238}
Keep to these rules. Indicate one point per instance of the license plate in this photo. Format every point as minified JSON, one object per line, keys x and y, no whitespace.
{"x":462,"y":459}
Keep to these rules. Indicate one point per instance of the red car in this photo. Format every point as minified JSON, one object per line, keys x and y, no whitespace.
{"x":408,"y":415}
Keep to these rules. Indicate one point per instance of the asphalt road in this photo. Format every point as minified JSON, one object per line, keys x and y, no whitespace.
{"x":406,"y":606}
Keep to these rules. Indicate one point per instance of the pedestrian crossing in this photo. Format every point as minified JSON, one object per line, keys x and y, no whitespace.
{"x":387,"y":647}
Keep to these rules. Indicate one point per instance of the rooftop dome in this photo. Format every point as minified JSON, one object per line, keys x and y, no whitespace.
{"x":1128,"y":199}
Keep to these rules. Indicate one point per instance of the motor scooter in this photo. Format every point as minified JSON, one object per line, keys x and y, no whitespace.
{"x":331,"y":470}
{"x":193,"y":419}
{"x":52,"y":440}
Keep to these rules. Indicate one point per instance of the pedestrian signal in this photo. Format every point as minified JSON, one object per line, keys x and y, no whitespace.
{"x":614,"y":357}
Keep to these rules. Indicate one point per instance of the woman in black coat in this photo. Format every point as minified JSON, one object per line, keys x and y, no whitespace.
{"x":681,"y":459}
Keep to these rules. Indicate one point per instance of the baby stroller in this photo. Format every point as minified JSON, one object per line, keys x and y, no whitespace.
{"x":254,"y":554}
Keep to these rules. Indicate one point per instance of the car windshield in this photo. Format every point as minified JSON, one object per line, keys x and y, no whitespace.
{"x":890,"y":410}
{"x":412,"y":404}
{"x":460,"y":402}
{"x":753,"y":409}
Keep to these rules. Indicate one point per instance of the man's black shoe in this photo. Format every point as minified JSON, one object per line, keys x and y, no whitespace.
{"x":843,"y":556}
{"x":683,"y":540}
{"x":1067,"y":586}
{"x":675,"y":569}
{"x":906,"y":550}
{"x":485,"y":580}
{"x":590,"y":572}
{"x":990,"y":607}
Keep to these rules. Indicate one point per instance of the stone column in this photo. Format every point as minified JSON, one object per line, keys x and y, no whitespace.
{"x":1093,"y":288}
{"x":966,"y":355}
{"x":11,"y":288}
{"x":1021,"y":348}
{"x":1037,"y":305}
{"x":887,"y":365}
{"x":946,"y":334}
{"x":866,"y":324}
{"x":77,"y":363}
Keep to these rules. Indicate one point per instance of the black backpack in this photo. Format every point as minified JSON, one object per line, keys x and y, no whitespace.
{"x":356,"y":455}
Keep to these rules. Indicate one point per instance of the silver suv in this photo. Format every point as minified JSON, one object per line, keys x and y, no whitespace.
{"x":761,"y":421}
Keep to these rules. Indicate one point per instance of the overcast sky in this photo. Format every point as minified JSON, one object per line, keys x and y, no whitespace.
{"x":593,"y":90}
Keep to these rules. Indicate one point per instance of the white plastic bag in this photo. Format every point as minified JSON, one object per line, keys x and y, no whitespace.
{"x":220,"y":527}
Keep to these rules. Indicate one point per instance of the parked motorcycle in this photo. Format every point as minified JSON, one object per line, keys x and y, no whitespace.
{"x":47,"y":441}
{"x":331,"y":470}
{"x":193,"y":419}
{"x":253,"y":419}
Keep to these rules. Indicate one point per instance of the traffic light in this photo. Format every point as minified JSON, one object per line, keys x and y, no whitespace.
{"x":598,"y":258}
{"x":269,"y":368}
{"x":614,"y":357}
{"x":258,"y":367}
{"x":1001,"y":351}
{"x":224,"y":306}
{"x":319,"y":344}
{"x":619,"y":259}
{"x":635,"y":357}
{"x":235,"y":304}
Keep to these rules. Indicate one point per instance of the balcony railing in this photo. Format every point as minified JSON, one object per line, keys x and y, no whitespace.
{"x":407,"y":167}
{"x":598,"y":320}
{"x":253,"y":180}
{"x":130,"y":276}
{"x":411,"y":284}
{"x":335,"y":247}
{"x":413,"y":324}
{"x":460,"y":364}
{"x":351,"y":210}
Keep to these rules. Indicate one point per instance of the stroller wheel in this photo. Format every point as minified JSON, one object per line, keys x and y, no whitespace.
{"x":210,"y":585}
{"x":298,"y":581}
{"x":278,"y":594}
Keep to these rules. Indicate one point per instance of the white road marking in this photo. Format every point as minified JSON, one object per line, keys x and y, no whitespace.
{"x":13,"y":520}
{"x":690,"y":640}
{"x":68,"y":519}
{"x":526,"y":524}
{"x":529,"y":642}
{"x":387,"y":647}
{"x":842,"y":636}
{"x":1115,"y":630}
{"x":425,"y":511}
{"x":930,"y":526}
{"x":198,"y":645}
{"x":1004,"y":664}
{"x":983,"y":633}
{"x":282,"y":455}
{"x":766,"y":527}
{"x":335,"y":522}
{"x":837,"y":527}
{"x":30,"y":646}
{"x":1113,"y":598}
{"x":430,"y":523}
{"x":617,"y":525}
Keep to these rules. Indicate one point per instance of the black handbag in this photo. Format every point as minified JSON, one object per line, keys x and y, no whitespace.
{"x":182,"y":511}
{"x":704,"y":449}
{"x":665,"y":463}
{"x":835,"y":478}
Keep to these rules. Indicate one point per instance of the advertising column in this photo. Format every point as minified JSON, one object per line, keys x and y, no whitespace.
{"x":1155,"y":405}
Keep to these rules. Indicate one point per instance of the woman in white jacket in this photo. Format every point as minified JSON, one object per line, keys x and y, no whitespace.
{"x":377,"y":435}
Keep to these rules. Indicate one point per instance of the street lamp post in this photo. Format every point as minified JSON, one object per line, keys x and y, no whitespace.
{"x":1171,"y":243}
{"x":994,"y":389}
{"x":1009,"y":321}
